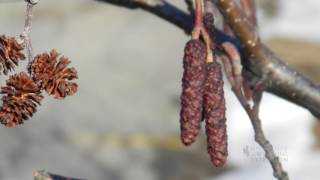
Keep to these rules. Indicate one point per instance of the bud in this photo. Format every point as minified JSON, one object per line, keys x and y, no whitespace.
{"x":208,"y":22}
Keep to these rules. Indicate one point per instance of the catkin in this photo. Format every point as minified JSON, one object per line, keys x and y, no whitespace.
{"x":214,"y":114}
{"x":194,"y":64}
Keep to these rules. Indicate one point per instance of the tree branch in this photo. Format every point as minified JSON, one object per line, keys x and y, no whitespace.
{"x":160,"y":8}
{"x":43,"y":175}
{"x":190,"y":7}
{"x":233,"y":67}
{"x":260,"y":61}
{"x":279,"y":78}
{"x":249,"y":8}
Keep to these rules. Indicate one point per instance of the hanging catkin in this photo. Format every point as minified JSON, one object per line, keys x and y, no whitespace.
{"x":214,"y":114}
{"x":214,"y":105}
{"x":194,"y":63}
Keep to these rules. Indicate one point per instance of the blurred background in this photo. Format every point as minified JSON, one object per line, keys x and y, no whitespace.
{"x":123,"y":124}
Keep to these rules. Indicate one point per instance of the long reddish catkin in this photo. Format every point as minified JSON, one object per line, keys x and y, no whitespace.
{"x":194,"y":64}
{"x":214,"y":105}
{"x":214,"y":114}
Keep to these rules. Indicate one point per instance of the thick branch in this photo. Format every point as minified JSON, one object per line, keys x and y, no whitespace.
{"x":190,"y":6}
{"x":261,"y":61}
{"x":285,"y":82}
{"x":160,"y":8}
{"x":280,"y":79}
{"x":168,"y":12}
{"x":249,"y":8}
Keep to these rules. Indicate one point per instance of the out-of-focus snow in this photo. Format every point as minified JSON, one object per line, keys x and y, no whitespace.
{"x":296,"y":18}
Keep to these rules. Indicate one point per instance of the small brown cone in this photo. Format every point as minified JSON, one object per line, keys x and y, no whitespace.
{"x":194,"y":62}
{"x":10,"y":54}
{"x":53,"y":75}
{"x":22,"y":95}
{"x":214,"y":113}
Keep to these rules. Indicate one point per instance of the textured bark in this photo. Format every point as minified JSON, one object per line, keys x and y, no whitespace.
{"x":194,"y":62}
{"x":208,"y":21}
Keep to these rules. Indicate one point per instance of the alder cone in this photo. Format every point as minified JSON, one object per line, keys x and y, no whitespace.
{"x":214,"y":113}
{"x":194,"y":64}
{"x":10,"y":53}
{"x":52,"y":74}
{"x":22,"y":95}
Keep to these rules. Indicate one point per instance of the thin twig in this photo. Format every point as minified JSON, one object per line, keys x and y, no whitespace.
{"x":25,"y":35}
{"x":236,"y":82}
{"x":200,"y":30}
{"x":198,"y":22}
{"x":260,"y":138}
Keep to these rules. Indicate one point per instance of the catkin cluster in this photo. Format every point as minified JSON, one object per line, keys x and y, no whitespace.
{"x":202,"y":97}
{"x":23,"y":91}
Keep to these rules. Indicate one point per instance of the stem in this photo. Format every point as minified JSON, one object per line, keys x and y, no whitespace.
{"x":27,"y":29}
{"x":208,"y":42}
{"x":198,"y":22}
{"x":230,"y":63}
{"x":25,"y":35}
